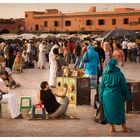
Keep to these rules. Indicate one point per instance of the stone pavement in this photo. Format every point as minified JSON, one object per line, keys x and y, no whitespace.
{"x":30,"y":80}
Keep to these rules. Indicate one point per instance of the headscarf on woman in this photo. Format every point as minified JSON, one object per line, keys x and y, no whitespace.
{"x":93,"y":63}
{"x":51,"y":54}
{"x":113,"y":94}
{"x":112,"y":66}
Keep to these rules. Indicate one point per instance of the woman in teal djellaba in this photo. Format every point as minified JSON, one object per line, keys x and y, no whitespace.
{"x":92,"y":65}
{"x":113,"y":94}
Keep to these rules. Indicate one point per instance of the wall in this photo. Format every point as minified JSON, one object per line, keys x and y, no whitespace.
{"x":78,"y":20}
{"x":12,"y":25}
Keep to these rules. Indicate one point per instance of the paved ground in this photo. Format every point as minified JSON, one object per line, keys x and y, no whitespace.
{"x":85,"y":126}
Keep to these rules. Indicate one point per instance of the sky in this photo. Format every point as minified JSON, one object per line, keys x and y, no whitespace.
{"x":16,"y":10}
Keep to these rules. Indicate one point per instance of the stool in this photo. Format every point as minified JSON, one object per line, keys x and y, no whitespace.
{"x":34,"y":115}
{"x":0,"y":111}
{"x":29,"y":107}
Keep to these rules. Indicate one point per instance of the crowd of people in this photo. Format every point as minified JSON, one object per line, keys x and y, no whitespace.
{"x":19,"y":54}
{"x":96,"y":58}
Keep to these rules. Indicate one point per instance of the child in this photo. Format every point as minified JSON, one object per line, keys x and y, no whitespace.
{"x":51,"y":105}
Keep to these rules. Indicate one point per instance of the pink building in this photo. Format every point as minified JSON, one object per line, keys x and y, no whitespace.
{"x":52,"y":20}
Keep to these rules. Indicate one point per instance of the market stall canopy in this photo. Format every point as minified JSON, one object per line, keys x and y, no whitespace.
{"x":73,"y":36}
{"x":47,"y":36}
{"x":63,"y":36}
{"x":99,"y":39}
{"x":119,"y":33}
{"x":83,"y":36}
{"x":94,"y":36}
{"x":27,"y":36}
{"x":8,"y":36}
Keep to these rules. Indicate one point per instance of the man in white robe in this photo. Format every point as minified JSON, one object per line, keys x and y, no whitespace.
{"x":9,"y":98}
{"x":53,"y":67}
{"x":41,"y":56}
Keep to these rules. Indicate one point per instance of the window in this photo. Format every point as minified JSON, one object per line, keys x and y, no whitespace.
{"x":36,"y":27}
{"x":67,"y":23}
{"x":88,"y":22}
{"x":56,"y":23}
{"x":113,"y":21}
{"x":101,"y":22}
{"x":45,"y":23}
{"x":125,"y":21}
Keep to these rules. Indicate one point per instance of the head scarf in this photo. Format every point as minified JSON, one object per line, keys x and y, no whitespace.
{"x":51,"y":54}
{"x":54,"y":46}
{"x":90,"y":51}
{"x":112,"y":66}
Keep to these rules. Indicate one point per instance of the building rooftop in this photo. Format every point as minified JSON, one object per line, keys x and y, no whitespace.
{"x":92,"y":11}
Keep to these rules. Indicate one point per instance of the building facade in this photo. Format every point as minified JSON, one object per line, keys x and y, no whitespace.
{"x":11,"y":25}
{"x":52,"y":20}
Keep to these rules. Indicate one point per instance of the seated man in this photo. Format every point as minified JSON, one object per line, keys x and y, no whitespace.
{"x":9,"y":81}
{"x":7,"y":97}
{"x":51,"y":105}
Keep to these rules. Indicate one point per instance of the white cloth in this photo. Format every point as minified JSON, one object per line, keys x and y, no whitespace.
{"x":28,"y":48}
{"x":124,"y":44}
{"x":41,"y":56}
{"x":53,"y":67}
{"x":12,"y":104}
{"x":53,"y":71}
{"x":9,"y":99}
{"x":51,"y":54}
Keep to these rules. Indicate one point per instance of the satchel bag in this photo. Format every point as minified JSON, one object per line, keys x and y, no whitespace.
{"x":100,"y":118}
{"x":86,"y":59}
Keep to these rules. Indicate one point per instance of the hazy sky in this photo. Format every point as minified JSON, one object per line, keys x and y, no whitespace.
{"x":17,"y":10}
